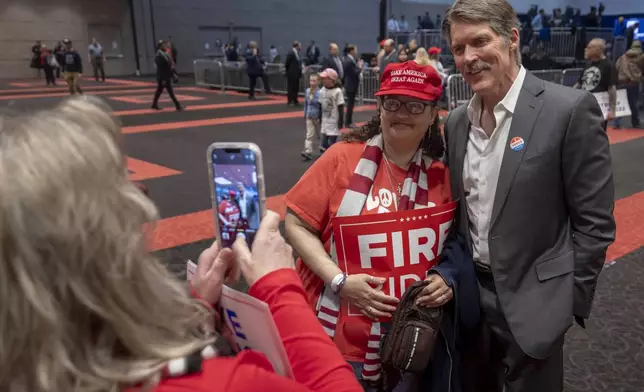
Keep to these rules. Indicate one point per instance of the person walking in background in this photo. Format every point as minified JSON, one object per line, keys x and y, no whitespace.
{"x":312,"y":115}
{"x":172,"y":54}
{"x":293,"y":67}
{"x":255,"y":69}
{"x":72,"y":68}
{"x":629,"y":76}
{"x":49,"y":64}
{"x":332,"y":101}
{"x":59,"y":53}
{"x":97,"y":59}
{"x":173,"y":50}
{"x":531,"y":166}
{"x":352,"y":70}
{"x":164,"y":77}
{"x":35,"y":57}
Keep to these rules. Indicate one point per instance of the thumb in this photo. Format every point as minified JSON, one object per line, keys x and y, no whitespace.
{"x":222,"y":262}
{"x":241,"y":252}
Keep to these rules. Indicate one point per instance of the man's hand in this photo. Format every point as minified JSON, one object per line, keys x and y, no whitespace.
{"x":436,"y":293}
{"x":610,"y":116}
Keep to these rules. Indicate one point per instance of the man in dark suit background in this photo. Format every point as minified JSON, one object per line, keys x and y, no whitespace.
{"x":293,"y":67}
{"x":530,"y":163}
{"x":333,"y":60}
{"x":352,"y":69}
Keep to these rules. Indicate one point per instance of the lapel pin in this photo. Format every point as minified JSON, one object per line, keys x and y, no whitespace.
{"x":517,"y":143}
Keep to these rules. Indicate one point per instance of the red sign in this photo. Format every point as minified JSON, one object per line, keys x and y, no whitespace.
{"x":400,"y":246}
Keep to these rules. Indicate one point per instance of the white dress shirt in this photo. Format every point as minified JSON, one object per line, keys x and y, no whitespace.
{"x":482,"y":165}
{"x":243,"y":205}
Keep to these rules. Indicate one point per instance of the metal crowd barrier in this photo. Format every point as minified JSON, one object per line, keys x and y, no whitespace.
{"x":458,"y":92}
{"x":232,"y":75}
{"x":225,"y":75}
{"x":571,"y":76}
{"x":550,"y":75}
{"x":560,"y":43}
{"x":369,"y":85}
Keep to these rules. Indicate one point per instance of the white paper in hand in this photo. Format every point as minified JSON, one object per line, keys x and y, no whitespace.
{"x":191,"y":270}
{"x":253,"y":327}
{"x":622,"y":108}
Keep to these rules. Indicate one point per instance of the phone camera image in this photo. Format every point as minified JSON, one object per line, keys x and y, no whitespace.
{"x":237,"y":195}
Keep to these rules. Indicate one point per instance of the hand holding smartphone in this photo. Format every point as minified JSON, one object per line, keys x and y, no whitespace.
{"x":237,"y":190}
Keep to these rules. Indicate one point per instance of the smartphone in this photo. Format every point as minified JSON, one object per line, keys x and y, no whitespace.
{"x":237,"y":190}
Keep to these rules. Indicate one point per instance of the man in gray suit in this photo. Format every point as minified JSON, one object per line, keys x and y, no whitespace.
{"x":531,"y":166}
{"x":248,"y":207}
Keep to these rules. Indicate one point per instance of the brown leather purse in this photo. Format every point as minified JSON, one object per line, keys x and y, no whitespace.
{"x":409,"y":345}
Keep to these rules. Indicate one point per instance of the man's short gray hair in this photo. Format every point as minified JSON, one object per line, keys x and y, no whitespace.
{"x":499,"y":14}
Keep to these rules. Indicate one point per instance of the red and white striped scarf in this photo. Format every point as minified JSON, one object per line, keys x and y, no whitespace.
{"x":414,"y":195}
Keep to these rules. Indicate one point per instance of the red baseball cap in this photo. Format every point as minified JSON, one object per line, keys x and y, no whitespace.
{"x":411,"y":79}
{"x":434,"y":50}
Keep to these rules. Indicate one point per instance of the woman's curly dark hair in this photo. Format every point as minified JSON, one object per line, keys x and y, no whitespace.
{"x":432,"y":144}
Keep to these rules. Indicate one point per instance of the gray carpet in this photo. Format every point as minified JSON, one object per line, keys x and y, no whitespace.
{"x":609,"y":354}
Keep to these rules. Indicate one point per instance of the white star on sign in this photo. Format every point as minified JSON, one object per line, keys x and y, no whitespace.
{"x":414,"y":218}
{"x":408,"y":219}
{"x":426,"y":217}
{"x":402,"y":219}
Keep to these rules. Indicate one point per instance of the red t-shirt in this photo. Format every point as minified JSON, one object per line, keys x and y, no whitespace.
{"x":230,"y":212}
{"x":317,"y":197}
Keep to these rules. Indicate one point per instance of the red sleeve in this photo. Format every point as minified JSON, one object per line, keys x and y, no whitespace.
{"x":309,"y":198}
{"x":248,"y":371}
{"x":315,"y":359}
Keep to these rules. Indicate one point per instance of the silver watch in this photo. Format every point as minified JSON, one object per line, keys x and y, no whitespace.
{"x":338,"y":282}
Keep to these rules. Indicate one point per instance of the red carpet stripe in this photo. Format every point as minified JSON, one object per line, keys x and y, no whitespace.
{"x":224,"y":120}
{"x":201,"y":107}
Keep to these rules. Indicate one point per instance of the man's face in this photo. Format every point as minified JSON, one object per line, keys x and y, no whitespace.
{"x":333,"y":50}
{"x":481,"y":55}
{"x":240,"y":189}
{"x":388,"y":47}
{"x":592,"y":51}
{"x":413,"y":44}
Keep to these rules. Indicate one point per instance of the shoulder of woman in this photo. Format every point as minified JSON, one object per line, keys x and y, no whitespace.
{"x":222,"y":374}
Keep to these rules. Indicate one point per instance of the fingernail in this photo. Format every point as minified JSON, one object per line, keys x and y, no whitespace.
{"x":241,"y":235}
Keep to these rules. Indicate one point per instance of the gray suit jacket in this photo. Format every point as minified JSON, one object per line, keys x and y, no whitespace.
{"x":552,"y":217}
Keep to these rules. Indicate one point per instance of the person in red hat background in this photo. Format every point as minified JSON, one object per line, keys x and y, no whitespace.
{"x":229,"y":211}
{"x":371,"y":171}
{"x":434,"y":61}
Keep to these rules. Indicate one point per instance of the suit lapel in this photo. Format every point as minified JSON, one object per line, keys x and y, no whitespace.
{"x":462,"y":132}
{"x":523,"y":122}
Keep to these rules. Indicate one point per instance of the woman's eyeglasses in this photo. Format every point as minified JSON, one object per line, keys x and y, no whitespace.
{"x":413,"y":107}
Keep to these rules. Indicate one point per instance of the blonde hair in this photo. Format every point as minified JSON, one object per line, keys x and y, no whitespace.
{"x":83,"y":305}
{"x":422,"y":58}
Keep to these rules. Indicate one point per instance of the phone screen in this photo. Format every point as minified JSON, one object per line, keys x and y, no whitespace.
{"x":237,"y":196}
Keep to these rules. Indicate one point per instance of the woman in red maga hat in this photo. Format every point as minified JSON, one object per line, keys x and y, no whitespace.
{"x":393,"y":163}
